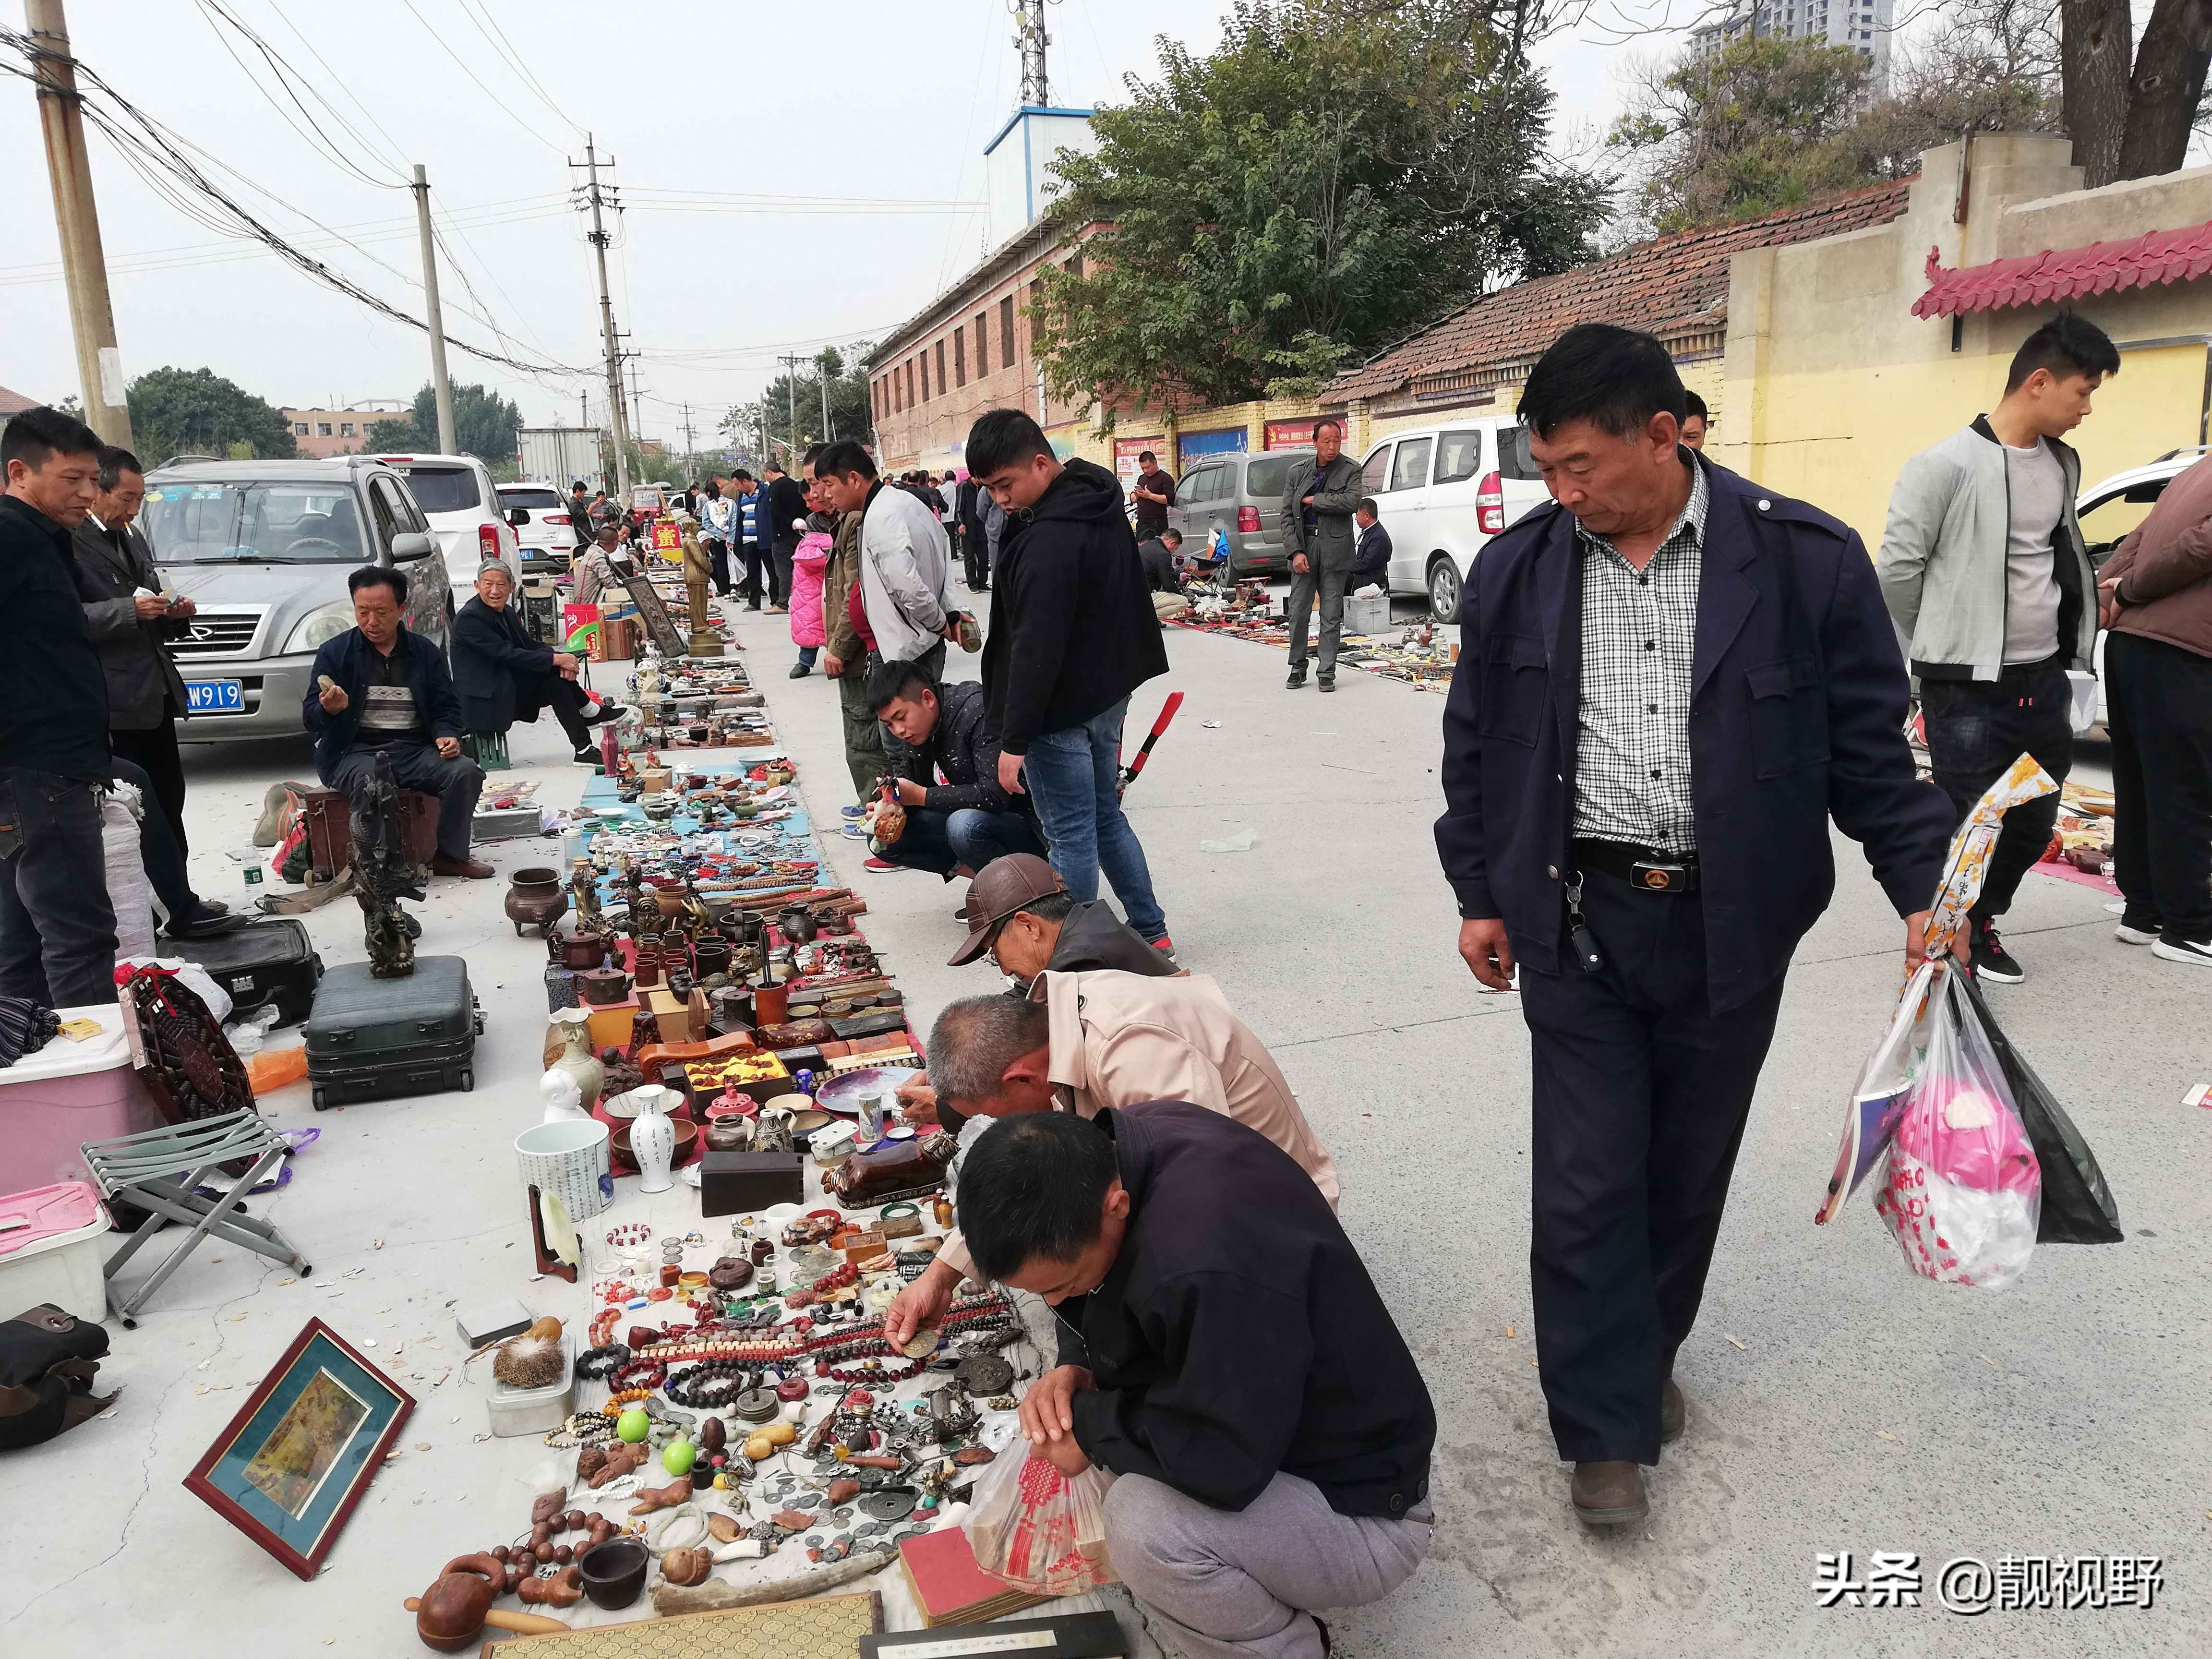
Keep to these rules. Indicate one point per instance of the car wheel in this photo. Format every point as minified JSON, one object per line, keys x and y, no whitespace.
{"x":1443,"y":589}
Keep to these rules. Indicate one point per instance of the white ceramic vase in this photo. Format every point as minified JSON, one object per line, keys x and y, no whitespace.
{"x":652,"y":1139}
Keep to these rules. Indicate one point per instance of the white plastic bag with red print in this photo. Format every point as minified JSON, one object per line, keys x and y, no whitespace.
{"x":1040,"y":1530}
{"x":1961,"y":1190}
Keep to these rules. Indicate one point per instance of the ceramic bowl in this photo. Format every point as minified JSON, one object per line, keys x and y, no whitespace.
{"x":687,"y":1137}
{"x":842,"y":1094}
{"x":613,"y":1575}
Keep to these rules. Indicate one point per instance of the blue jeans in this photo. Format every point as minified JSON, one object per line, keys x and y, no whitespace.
{"x":1074,"y":778}
{"x":944,"y":841}
{"x":807,"y":655}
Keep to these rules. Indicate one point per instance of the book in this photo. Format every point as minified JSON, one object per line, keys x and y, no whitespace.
{"x":1071,"y":1636}
{"x":949,"y":1588}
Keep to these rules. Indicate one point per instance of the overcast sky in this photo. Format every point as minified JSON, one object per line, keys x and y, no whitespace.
{"x":795,"y":174}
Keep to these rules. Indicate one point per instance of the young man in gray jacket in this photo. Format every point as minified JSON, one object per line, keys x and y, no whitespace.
{"x":1989,"y":581}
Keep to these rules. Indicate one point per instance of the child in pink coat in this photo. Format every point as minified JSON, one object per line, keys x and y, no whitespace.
{"x":808,"y":561}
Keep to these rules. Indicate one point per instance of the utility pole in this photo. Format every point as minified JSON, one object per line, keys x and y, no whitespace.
{"x":583,"y":408}
{"x":791,"y":397}
{"x":84,"y":262}
{"x":442,"y":387}
{"x":599,"y":238}
{"x":691,"y":444}
{"x":1030,"y":40}
{"x":636,"y":401}
{"x":828,"y":435}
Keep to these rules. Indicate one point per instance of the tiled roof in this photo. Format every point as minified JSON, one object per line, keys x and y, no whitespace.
{"x":2158,"y":256}
{"x":15,"y":403}
{"x":1671,"y":282}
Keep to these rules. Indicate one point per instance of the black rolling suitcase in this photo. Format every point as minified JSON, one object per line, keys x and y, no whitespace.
{"x":265,"y":961}
{"x":372,"y":1039}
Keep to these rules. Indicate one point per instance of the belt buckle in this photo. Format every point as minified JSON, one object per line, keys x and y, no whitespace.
{"x":1653,"y":876}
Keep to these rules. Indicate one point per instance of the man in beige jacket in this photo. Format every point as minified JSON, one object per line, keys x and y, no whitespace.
{"x":1082,"y":1042}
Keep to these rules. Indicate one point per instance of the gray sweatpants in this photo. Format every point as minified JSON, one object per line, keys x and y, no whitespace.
{"x":1231,"y":1583}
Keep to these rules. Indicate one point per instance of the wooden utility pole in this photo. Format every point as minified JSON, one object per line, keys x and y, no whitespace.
{"x":441,"y":387}
{"x":84,"y":262}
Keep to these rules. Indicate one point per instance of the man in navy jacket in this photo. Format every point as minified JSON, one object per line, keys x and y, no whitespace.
{"x":378,"y":686}
{"x":1669,"y":683}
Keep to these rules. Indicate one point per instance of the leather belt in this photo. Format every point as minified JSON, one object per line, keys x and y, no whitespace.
{"x":1645,"y":869}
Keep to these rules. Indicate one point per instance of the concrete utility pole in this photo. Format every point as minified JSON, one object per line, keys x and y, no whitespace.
{"x":84,"y":262}
{"x":691,"y":444}
{"x":440,"y":385}
{"x":828,"y":434}
{"x":791,"y":397}
{"x":1030,"y":40}
{"x":583,"y":408}
{"x":599,"y":238}
{"x":636,"y":401}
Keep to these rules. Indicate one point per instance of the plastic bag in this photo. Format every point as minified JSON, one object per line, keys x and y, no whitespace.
{"x":217,"y":999}
{"x":1040,"y":1530}
{"x":1960,"y":1189}
{"x":128,"y":890}
{"x":2078,"y":1207}
{"x":2081,"y":700}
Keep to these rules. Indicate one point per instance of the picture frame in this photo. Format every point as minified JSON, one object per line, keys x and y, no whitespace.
{"x":290,"y":1466}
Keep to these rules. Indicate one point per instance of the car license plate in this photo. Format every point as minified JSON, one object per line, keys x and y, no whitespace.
{"x":214,"y":696}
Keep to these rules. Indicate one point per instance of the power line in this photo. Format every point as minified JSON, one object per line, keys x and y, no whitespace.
{"x":283,"y":73}
{"x":488,"y":28}
{"x":503,"y":104}
{"x":398,"y":150}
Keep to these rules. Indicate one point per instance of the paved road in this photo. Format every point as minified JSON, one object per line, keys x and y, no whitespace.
{"x":2066,"y":1416}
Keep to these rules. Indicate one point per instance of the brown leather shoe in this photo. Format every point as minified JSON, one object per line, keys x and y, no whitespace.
{"x":474,"y":869}
{"x":1674,"y":1411}
{"x":1609,"y":1493}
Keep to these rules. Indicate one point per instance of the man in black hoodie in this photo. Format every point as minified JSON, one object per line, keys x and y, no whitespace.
{"x":1231,"y":1364}
{"x":1068,"y":572}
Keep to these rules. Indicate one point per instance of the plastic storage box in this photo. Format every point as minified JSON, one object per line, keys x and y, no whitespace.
{"x":50,"y":1249}
{"x":534,"y":1411}
{"x":67,"y":1093}
{"x":1370,"y":615}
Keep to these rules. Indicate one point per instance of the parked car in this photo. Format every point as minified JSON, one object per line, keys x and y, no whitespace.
{"x":2110,"y":509}
{"x":1442,"y":492}
{"x":1244,"y":495}
{"x":544,"y":534}
{"x":264,"y":548}
{"x":457,"y":495}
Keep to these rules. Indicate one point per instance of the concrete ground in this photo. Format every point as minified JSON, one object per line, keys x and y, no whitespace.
{"x":1837,"y":1401}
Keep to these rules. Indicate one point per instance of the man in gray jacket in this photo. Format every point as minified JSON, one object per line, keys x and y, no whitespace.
{"x":1319,"y":498}
{"x":130,"y":623}
{"x":1988,"y":583}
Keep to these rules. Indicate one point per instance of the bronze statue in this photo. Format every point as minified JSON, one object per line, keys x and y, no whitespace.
{"x":382,"y":877}
{"x":703,"y":642}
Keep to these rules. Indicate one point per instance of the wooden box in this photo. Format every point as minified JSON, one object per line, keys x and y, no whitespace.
{"x":743,"y":1183}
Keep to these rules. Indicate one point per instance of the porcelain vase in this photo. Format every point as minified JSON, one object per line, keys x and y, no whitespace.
{"x":577,"y":1060}
{"x":652,"y":1140}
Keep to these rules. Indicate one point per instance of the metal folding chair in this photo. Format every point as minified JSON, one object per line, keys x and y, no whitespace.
{"x":143,"y":1169}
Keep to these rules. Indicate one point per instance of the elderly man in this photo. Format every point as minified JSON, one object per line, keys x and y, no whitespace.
{"x":380,"y":686}
{"x":503,"y":676}
{"x":602,"y":566}
{"x":1319,"y":498}
{"x":1020,"y":911}
{"x":957,"y":826}
{"x":130,"y":623}
{"x":1082,"y":1042}
{"x":1231,"y":1365}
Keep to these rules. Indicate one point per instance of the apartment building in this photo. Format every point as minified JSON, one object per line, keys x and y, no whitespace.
{"x":1864,"y":25}
{"x":321,"y":432}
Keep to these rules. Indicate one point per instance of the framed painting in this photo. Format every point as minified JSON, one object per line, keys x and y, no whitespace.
{"x":295,"y":1459}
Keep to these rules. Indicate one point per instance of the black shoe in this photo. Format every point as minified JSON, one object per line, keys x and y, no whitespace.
{"x":799,"y":671}
{"x":1296,"y":679}
{"x":205,"y":926}
{"x":2178,"y":948}
{"x":606,"y":711}
{"x":587,"y":754}
{"x":1992,"y":961}
{"x":1321,"y":1630}
{"x":1327,"y":682}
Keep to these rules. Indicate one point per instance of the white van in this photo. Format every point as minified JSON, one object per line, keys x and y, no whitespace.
{"x":1442,"y":492}
{"x":457,"y":495}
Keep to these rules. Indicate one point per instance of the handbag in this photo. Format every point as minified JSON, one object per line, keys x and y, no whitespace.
{"x":47,"y":1361}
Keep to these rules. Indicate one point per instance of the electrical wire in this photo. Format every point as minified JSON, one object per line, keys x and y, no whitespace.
{"x":504,"y":106}
{"x":317,"y":140}
{"x":488,"y":28}
{"x":398,"y":150}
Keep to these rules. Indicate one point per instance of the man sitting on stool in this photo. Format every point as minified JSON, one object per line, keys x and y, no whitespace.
{"x":379,"y":686}
{"x":504,"y":676}
{"x":957,"y":826}
{"x":1231,"y":1364}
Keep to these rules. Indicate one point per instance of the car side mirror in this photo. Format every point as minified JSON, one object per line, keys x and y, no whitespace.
{"x":518,"y":516}
{"x":409,"y":545}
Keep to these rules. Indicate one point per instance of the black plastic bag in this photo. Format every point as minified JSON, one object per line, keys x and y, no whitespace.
{"x":2078,"y":1207}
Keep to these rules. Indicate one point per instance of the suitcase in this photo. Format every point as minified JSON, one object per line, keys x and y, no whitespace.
{"x":329,"y":829}
{"x":268,"y":961}
{"x":373,"y":1039}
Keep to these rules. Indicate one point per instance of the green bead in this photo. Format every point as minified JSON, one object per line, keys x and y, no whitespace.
{"x":633,"y":1425}
{"x":679,"y":1457}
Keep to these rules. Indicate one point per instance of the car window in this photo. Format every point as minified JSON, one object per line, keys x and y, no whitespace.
{"x":1513,"y":459}
{"x":443,"y":488}
{"x":245,"y":523}
{"x":1372,"y":475}
{"x":383,"y":504}
{"x":1265,"y":476}
{"x":2108,"y":519}
{"x":1198,"y":484}
{"x":532,"y":499}
{"x":1459,"y":455}
{"x":1411,"y":470}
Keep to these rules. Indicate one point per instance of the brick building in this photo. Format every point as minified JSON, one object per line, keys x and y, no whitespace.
{"x":320,"y":432}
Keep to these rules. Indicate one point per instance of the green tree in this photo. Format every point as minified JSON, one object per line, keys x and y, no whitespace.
{"x":789,"y":411}
{"x":1327,"y":179}
{"x":484,"y":425}
{"x":195,"y":412}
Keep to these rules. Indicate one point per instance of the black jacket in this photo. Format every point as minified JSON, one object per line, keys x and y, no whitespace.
{"x":53,"y":695}
{"x":1370,"y":559}
{"x":786,"y":501}
{"x":345,"y":659}
{"x":1159,"y":565}
{"x":491,"y":649}
{"x":1229,"y":1341}
{"x":1796,"y":717}
{"x":963,"y":749}
{"x":1092,"y":937}
{"x":1072,"y":628}
{"x":143,"y":686}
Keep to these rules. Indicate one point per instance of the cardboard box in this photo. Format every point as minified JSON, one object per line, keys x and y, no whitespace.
{"x":743,"y":1183}
{"x":673,"y":1014}
{"x":611,"y":1025}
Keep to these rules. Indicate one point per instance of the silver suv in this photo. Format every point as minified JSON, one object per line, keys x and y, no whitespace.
{"x":1241,"y":495}
{"x":264,"y":548}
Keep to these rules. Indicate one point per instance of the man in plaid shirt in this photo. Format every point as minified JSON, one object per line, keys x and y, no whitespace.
{"x":1669,"y":682}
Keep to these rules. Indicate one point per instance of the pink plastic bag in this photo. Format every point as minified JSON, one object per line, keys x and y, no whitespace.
{"x":1040,"y":1530}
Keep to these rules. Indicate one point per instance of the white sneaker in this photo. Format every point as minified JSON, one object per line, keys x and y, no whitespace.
{"x":2117,"y":907}
{"x":2127,"y":935}
{"x":2190,"y":950}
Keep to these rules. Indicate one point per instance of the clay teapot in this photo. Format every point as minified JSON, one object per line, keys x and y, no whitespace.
{"x":579,"y":951}
{"x":535,"y":897}
{"x":796,"y":923}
